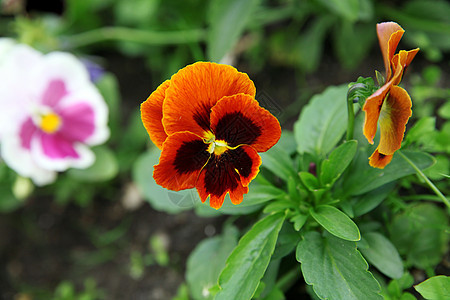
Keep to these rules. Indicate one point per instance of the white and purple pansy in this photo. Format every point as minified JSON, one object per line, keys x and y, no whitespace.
{"x":51,"y":113}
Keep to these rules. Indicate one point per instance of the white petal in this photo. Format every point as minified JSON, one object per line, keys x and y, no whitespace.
{"x":60,"y":66}
{"x":6,"y":45}
{"x":19,"y":159}
{"x":16,"y":96}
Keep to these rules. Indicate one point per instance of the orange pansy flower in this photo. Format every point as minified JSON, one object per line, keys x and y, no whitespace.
{"x":210,"y":129}
{"x":390,"y":105}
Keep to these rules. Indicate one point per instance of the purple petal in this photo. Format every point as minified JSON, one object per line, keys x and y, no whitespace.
{"x":27,"y":131}
{"x":78,"y":122}
{"x":95,"y":70}
{"x":56,"y":146}
{"x":56,"y":89}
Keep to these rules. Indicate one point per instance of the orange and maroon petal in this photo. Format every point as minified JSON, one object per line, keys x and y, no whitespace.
{"x":195,"y":89}
{"x":237,"y":195}
{"x":151,"y":114}
{"x":246,"y":162}
{"x":378,"y":160}
{"x":389,"y":35}
{"x":230,"y":172}
{"x":216,"y":202}
{"x":216,"y":180}
{"x":183,"y":156}
{"x":239,"y":120}
{"x":400,"y":62}
{"x":372,"y":109}
{"x":393,"y":118}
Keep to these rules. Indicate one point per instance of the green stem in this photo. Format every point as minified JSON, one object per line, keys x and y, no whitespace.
{"x":350,"y":115}
{"x":352,"y":97}
{"x":134,"y":35}
{"x":423,"y":197}
{"x":425,"y":178}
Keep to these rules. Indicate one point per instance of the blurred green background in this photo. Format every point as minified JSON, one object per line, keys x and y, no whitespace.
{"x":102,"y":233}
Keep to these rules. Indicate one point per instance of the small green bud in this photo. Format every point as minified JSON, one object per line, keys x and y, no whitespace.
{"x":380,"y":78}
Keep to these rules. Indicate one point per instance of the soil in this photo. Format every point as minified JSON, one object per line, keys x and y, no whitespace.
{"x":43,"y":244}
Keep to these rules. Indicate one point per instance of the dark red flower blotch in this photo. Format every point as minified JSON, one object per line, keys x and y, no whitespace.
{"x":210,"y":129}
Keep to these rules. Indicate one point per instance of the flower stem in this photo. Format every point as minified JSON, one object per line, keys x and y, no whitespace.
{"x":350,"y":115}
{"x":134,"y":35}
{"x":353,"y":95}
{"x":425,"y":178}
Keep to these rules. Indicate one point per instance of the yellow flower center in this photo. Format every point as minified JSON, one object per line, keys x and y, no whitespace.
{"x":218,"y":147}
{"x":50,"y":122}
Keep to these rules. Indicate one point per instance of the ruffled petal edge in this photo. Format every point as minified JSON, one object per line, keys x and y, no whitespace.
{"x":152,"y":114}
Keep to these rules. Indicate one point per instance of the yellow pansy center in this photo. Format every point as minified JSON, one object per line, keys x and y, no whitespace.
{"x":50,"y":122}
{"x":217,"y":147}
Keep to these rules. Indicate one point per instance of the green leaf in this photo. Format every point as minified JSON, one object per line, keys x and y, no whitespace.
{"x":105,"y":167}
{"x":336,"y":222}
{"x":335,"y":268}
{"x":444,"y":110}
{"x":441,"y":168}
{"x":347,"y":9}
{"x":287,"y":142}
{"x":322,"y":122}
{"x":309,"y":46}
{"x":259,"y":193}
{"x":337,"y":162}
{"x":227,"y":21}
{"x":420,"y":130}
{"x":293,"y":188}
{"x":360,"y":90}
{"x":135,"y":12}
{"x":382,"y":254}
{"x":366,"y":10}
{"x":361,"y":37}
{"x":76,"y":12}
{"x":182,"y":293}
{"x":298,"y":220}
{"x":133,"y":140}
{"x":109,"y":88}
{"x":407,"y":296}
{"x":278,"y":206}
{"x":248,"y":261}
{"x":363,"y":178}
{"x":309,"y":180}
{"x":419,"y":234}
{"x":207,"y":261}
{"x":288,"y":239}
{"x":278,"y":162}
{"x":275,"y":294}
{"x":437,"y":287}
{"x":269,"y":280}
{"x":8,"y":202}
{"x":406,"y":281}
{"x":160,"y":198}
{"x":367,"y":202}
{"x":431,"y":75}
{"x":395,"y":287}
